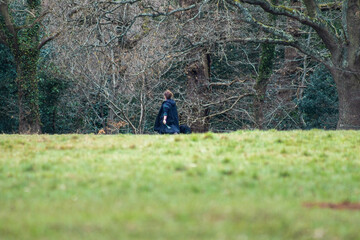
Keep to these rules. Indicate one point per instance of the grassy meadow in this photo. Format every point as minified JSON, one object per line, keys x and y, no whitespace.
{"x":246,"y":185}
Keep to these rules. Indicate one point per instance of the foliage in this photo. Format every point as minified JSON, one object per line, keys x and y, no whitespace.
{"x":51,"y":89}
{"x":8,"y":89}
{"x":243,"y":185}
{"x":55,"y":118}
{"x":234,"y":61}
{"x":319,"y":105}
{"x":266,"y":62}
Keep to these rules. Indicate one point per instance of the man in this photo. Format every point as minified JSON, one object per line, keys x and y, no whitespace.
{"x":167,"y":121}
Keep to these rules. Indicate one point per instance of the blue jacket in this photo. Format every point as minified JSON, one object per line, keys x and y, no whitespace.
{"x":169,"y":109}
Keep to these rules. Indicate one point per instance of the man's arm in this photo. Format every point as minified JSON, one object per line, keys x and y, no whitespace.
{"x":166,"y":110}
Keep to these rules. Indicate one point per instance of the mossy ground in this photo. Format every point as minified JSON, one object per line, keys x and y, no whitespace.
{"x":244,"y":185}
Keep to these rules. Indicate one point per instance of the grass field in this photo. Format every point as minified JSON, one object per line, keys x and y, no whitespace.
{"x":244,"y":185}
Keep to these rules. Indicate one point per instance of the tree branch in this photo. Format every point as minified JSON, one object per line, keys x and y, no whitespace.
{"x":38,"y":19}
{"x":227,"y":84}
{"x":310,"y":52}
{"x":293,"y":43}
{"x":227,"y":99}
{"x":143,"y":15}
{"x":326,"y":34}
{"x":344,"y":19}
{"x":251,"y":20}
{"x":330,"y":6}
{"x":121,"y":2}
{"x":285,"y":38}
{"x":4,"y":12}
{"x":158,"y":14}
{"x":231,"y":107}
{"x":351,"y":12}
{"x":312,"y":8}
{"x":260,"y":40}
{"x":121,"y":111}
{"x":46,"y":40}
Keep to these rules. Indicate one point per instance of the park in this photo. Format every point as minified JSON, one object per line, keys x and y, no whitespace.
{"x":180,"y":119}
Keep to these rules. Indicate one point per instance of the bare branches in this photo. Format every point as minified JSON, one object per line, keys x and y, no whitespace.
{"x":308,"y":50}
{"x":250,"y":19}
{"x":238,"y":98}
{"x":122,"y":113}
{"x":151,"y":51}
{"x":330,"y":6}
{"x":326,"y":33}
{"x":120,"y":2}
{"x":296,"y":44}
{"x":284,"y":42}
{"x":226,"y":100}
{"x":293,"y":43}
{"x":158,"y":14}
{"x":226,"y":84}
{"x":285,"y":38}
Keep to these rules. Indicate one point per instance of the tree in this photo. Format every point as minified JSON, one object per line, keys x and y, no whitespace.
{"x":262,"y":80}
{"x":117,"y":59}
{"x":20,"y":30}
{"x":339,"y":50}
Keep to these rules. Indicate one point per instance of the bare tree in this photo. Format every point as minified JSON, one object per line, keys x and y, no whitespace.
{"x":338,"y":51}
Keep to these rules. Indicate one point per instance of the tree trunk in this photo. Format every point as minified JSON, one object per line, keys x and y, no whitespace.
{"x":348,"y":88}
{"x":28,"y":93}
{"x":265,"y":70}
{"x":291,"y":62}
{"x":24,"y":43}
{"x":111,"y":116}
{"x":198,"y":77}
{"x":258,"y":104}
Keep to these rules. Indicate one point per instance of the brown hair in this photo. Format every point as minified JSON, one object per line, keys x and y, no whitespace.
{"x":168,"y":94}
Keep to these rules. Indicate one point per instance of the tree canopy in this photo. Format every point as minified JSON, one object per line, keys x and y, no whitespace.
{"x":232,"y":64}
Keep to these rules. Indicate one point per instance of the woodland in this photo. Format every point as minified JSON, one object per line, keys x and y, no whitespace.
{"x":101,"y":66}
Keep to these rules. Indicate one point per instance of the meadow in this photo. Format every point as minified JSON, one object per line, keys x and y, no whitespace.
{"x":246,"y":185}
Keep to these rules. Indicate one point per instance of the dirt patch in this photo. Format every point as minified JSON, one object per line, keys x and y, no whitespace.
{"x":336,"y":206}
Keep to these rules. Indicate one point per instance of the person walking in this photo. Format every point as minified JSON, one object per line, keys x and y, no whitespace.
{"x":167,"y":120}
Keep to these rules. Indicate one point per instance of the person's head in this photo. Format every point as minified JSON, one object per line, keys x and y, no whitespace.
{"x":168,"y":94}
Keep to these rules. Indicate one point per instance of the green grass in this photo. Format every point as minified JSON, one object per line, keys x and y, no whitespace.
{"x":243,"y":185}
